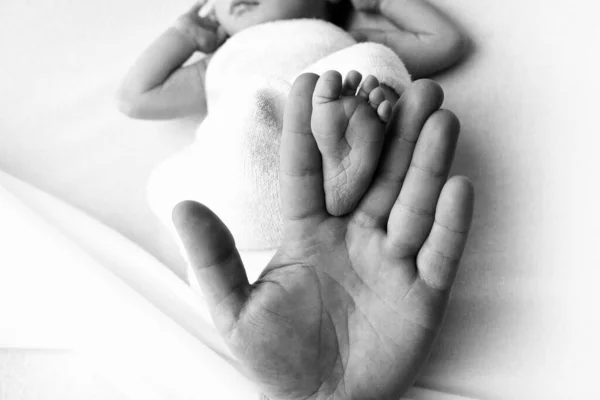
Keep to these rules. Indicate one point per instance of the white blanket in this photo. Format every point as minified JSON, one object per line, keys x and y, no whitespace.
{"x":233,"y":165}
{"x":522,"y":321}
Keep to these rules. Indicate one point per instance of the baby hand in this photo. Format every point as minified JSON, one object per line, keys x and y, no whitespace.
{"x":205,"y":32}
{"x":366,"y":5}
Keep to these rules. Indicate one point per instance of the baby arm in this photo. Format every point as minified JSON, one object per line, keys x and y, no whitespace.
{"x":158,"y":86}
{"x":425,"y":39}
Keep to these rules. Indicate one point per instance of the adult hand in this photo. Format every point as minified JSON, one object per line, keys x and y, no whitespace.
{"x":349,"y":307}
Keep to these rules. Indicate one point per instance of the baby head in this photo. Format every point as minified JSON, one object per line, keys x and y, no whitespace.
{"x":236,"y":15}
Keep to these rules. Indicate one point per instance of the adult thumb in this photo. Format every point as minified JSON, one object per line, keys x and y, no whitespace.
{"x":215,"y":261}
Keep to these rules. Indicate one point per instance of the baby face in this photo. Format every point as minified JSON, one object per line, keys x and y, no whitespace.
{"x":236,"y":15}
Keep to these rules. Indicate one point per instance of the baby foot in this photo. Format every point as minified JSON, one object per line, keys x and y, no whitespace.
{"x":348,"y":124}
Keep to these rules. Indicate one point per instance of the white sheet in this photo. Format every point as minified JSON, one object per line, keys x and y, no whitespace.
{"x":62,"y":279}
{"x":75,"y":283}
{"x":521,"y":322}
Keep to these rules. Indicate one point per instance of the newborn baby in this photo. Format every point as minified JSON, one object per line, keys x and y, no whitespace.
{"x":349,"y":113}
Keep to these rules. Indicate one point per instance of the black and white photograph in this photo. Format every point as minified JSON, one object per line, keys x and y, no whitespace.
{"x":299,"y":200}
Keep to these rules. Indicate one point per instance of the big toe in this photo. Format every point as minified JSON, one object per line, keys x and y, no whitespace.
{"x":329,"y":87}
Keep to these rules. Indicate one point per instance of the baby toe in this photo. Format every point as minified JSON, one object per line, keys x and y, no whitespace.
{"x":329,"y":87}
{"x":371,"y":83}
{"x":376,"y":97}
{"x":384,"y":111}
{"x":351,"y":83}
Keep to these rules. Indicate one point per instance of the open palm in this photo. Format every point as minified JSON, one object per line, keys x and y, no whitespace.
{"x":349,"y":306}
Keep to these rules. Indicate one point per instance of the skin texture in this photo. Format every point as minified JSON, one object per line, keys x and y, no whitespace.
{"x":348,"y":125}
{"x":425,"y":39}
{"x":157,"y":86}
{"x":349,"y":307}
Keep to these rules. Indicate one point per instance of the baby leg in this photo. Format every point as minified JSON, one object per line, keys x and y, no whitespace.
{"x":348,"y":124}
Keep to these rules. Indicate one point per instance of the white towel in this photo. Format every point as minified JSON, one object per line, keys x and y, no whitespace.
{"x":232,"y":167}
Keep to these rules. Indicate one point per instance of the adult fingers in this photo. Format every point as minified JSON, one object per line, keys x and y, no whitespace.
{"x":214,"y":260}
{"x":301,"y":172}
{"x":412,"y":215}
{"x":409,"y":115}
{"x":439,"y":257}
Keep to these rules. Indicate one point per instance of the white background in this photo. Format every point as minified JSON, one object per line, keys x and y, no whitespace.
{"x":523,"y":321}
